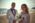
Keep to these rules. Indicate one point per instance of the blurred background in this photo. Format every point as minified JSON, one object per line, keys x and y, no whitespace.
{"x":6,"y":4}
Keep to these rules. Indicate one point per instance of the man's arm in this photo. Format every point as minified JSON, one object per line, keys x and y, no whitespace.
{"x":8,"y":14}
{"x":16,"y":17}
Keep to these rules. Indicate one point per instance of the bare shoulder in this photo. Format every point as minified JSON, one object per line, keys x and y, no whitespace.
{"x":28,"y":16}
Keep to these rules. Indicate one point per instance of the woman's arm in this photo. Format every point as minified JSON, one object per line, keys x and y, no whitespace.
{"x":29,"y":19}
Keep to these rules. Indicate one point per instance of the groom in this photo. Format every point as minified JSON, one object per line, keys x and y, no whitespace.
{"x":11,"y":14}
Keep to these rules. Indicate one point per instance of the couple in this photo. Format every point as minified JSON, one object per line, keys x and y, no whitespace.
{"x":12,"y":14}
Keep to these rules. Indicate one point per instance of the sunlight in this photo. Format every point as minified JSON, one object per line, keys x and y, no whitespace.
{"x":7,"y":4}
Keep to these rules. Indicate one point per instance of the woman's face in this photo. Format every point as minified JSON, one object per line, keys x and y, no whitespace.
{"x":23,"y":8}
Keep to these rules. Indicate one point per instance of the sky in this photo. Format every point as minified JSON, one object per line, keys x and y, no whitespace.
{"x":7,"y":3}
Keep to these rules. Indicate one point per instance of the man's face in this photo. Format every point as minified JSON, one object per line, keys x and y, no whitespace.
{"x":13,"y":5}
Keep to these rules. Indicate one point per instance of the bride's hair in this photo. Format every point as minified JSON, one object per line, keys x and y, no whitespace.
{"x":25,"y":7}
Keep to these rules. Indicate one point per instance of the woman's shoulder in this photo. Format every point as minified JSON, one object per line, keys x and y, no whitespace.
{"x":28,"y":15}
